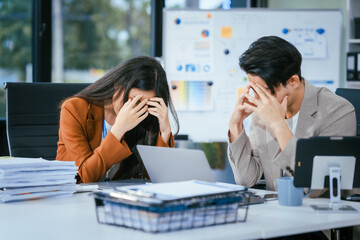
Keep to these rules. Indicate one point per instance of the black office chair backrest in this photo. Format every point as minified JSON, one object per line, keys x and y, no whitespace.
{"x":353,"y":96}
{"x":32,"y":116}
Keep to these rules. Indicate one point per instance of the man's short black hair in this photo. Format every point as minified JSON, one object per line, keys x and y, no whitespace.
{"x":273,"y":59}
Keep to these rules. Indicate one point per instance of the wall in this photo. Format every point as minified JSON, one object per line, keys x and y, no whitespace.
{"x":319,"y":4}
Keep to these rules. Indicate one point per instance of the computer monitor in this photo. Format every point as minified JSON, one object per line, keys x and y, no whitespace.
{"x":328,"y":162}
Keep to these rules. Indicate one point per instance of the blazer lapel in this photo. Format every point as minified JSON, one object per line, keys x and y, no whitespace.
{"x":94,"y":124}
{"x":305,"y":126}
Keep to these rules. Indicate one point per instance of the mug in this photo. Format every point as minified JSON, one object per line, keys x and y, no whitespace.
{"x":288,"y":194}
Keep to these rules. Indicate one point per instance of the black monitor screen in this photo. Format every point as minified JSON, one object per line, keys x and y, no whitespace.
{"x":308,"y":148}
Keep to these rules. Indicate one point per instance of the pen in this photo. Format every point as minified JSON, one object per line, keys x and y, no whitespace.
{"x":290,"y":170}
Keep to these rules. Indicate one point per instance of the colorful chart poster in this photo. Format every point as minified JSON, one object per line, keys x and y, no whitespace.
{"x":192,"y":95}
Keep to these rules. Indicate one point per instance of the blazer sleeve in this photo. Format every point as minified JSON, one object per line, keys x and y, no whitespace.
{"x":244,"y":159}
{"x":339,"y":121}
{"x":160,"y":142}
{"x":92,"y":163}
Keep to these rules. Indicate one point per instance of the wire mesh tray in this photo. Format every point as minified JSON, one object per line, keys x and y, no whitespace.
{"x":152,"y":215}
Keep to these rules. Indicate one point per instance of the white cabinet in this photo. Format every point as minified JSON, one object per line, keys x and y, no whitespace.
{"x":353,"y":11}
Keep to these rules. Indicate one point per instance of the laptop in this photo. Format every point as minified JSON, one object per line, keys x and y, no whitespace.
{"x":165,"y":164}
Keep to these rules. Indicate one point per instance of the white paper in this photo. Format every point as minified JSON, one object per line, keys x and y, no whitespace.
{"x":177,"y":190}
{"x":31,"y":163}
{"x":25,"y":190}
{"x":33,"y":178}
{"x":29,"y":183}
{"x":33,"y":196}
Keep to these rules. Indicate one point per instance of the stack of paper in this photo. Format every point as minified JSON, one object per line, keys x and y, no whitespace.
{"x":180,"y":190}
{"x":32,"y":178}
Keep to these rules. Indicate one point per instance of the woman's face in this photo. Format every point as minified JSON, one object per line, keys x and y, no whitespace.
{"x":118,"y":103}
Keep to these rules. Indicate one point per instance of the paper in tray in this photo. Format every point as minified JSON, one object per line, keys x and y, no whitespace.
{"x":152,"y":209}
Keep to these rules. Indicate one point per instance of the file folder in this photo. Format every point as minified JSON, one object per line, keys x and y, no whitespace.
{"x":358,"y":66}
{"x":351,"y":66}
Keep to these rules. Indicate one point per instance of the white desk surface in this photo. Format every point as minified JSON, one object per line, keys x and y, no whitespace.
{"x":75,"y":218}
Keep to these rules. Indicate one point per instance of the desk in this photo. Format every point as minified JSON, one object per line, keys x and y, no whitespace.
{"x":75,"y":218}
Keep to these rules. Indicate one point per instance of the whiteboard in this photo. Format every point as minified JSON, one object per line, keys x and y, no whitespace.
{"x":201,"y":50}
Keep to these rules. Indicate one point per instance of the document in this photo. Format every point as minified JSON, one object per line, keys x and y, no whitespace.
{"x":178,"y":190}
{"x":33,"y":196}
{"x":22,"y":193}
{"x":33,"y":178}
{"x":27,"y":164}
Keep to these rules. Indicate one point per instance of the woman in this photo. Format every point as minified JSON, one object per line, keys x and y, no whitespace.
{"x":101,"y":125}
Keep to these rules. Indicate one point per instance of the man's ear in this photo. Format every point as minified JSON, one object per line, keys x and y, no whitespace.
{"x":294,"y":81}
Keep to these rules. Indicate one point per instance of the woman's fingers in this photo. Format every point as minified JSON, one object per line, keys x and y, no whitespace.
{"x":157,"y":105}
{"x":154,"y":112}
{"x":159,"y":100}
{"x":140,"y":105}
{"x":127,"y":103}
{"x":135,"y":100}
{"x":154,"y":104}
{"x":141,"y":111}
{"x":140,"y":118}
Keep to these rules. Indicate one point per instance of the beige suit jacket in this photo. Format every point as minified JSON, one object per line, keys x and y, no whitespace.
{"x":322,"y":113}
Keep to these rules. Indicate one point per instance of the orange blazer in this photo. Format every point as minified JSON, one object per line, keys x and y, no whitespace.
{"x":80,"y":134}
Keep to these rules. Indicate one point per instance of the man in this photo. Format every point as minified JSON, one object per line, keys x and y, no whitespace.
{"x":284,"y":107}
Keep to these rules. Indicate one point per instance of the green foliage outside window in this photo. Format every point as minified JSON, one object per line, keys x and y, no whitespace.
{"x":15,"y":35}
{"x":102,"y":34}
{"x":96,"y":35}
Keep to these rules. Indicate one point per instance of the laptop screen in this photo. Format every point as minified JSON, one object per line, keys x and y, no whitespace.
{"x":165,"y":164}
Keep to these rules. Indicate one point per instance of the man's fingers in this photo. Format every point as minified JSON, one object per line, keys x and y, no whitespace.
{"x":252,"y":99}
{"x":250,"y":107}
{"x":266,"y":92}
{"x":259,"y":91}
{"x":242,"y":94}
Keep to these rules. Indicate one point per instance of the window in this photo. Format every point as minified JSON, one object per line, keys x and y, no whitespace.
{"x":201,"y":4}
{"x":91,"y":37}
{"x":15,"y":44}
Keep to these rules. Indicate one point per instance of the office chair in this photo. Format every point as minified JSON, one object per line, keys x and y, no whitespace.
{"x":353,"y":96}
{"x":32,"y":117}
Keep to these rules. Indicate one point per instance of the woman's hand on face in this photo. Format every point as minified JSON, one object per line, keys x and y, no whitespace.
{"x":158,"y":108}
{"x":130,"y":115}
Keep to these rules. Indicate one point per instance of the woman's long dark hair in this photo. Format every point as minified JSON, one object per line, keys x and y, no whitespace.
{"x":143,"y":73}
